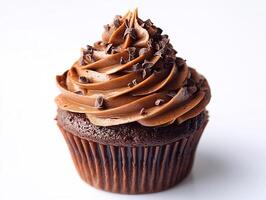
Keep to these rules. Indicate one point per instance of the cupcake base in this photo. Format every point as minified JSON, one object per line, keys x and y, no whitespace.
{"x":134,"y":169}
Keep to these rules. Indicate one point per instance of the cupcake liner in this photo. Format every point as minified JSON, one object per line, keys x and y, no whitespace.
{"x":136,"y":169}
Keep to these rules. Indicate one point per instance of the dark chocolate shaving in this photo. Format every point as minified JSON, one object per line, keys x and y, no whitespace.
{"x":143,"y":51}
{"x":116,"y":22}
{"x":159,"y":53}
{"x":180,"y":63}
{"x":87,"y":55}
{"x":99,"y":102}
{"x":107,"y":27}
{"x":171,"y":94}
{"x":78,"y":92}
{"x":159,"y":30}
{"x":108,"y":49}
{"x":130,"y":84}
{"x":147,"y":64}
{"x":156,"y":46}
{"x":135,"y":82}
{"x":136,"y":67}
{"x":114,"y":50}
{"x":83,"y":79}
{"x":169,"y":60}
{"x":148,"y":22}
{"x":131,"y":32}
{"x":156,"y":71}
{"x":142,"y":111}
{"x":190,"y":82}
{"x":192,"y":89}
{"x":122,"y":61}
{"x":131,"y":53}
{"x":144,"y":73}
{"x":159,"y":102}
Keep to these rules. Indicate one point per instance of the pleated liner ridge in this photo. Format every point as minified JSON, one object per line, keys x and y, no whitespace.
{"x":132,"y":170}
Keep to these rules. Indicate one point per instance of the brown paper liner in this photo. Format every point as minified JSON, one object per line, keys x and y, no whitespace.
{"x":132,"y":170}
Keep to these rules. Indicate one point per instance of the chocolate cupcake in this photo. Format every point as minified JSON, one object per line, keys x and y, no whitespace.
{"x":131,"y":111}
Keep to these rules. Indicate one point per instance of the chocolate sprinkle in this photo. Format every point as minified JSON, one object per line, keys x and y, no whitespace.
{"x":144,"y":73}
{"x":83,"y":79}
{"x":122,"y":61}
{"x":136,"y":67}
{"x":131,"y":53}
{"x":159,"y":102}
{"x":157,"y":71}
{"x":107,"y":27}
{"x":113,"y":51}
{"x":108,"y":49}
{"x":135,"y":82}
{"x":117,"y":22}
{"x":99,"y":102}
{"x":190,"y":82}
{"x":142,"y":111}
{"x":143,"y":51}
{"x":78,"y":92}
{"x":192,"y":89}
{"x":130,"y":84}
{"x":148,"y":22}
{"x":171,"y":94}
{"x":156,"y":46}
{"x":147,"y":64}
{"x":131,"y":32}
{"x":159,"y":53}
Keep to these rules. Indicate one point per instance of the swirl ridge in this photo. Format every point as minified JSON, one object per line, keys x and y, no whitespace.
{"x":132,"y":74}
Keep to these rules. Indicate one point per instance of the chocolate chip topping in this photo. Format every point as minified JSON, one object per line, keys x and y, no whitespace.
{"x":142,"y":111}
{"x":108,"y":49}
{"x":78,"y":92}
{"x":192,"y":89}
{"x":131,"y":32}
{"x":159,"y":102}
{"x":143,"y":51}
{"x":99,"y":102}
{"x":117,"y":22}
{"x":147,"y":64}
{"x":148,"y":22}
{"x":144,"y":73}
{"x":114,"y":50}
{"x":122,"y":61}
{"x":135,"y":82}
{"x":171,"y":94}
{"x":87,"y":55}
{"x":159,"y":53}
{"x":131,"y":53}
{"x":130,"y":84}
{"x":83,"y":79}
{"x":107,"y":27}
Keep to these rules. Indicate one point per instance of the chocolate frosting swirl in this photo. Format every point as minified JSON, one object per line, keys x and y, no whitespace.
{"x":132,"y":74}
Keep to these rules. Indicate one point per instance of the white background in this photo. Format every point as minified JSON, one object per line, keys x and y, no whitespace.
{"x":224,"y":40}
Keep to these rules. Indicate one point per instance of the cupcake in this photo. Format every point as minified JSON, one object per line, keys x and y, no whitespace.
{"x":131,"y":111}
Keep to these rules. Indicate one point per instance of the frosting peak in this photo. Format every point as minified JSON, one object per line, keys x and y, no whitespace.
{"x":132,"y":74}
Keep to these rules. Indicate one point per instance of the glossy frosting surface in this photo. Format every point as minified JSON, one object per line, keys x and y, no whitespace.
{"x":132,"y":75}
